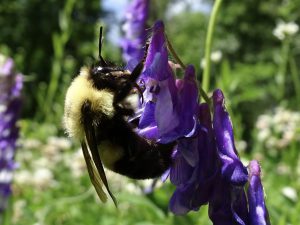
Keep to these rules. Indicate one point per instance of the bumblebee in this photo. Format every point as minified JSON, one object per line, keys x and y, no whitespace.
{"x":96,"y":112}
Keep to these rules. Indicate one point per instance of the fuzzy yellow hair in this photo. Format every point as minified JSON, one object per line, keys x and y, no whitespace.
{"x":82,"y":90}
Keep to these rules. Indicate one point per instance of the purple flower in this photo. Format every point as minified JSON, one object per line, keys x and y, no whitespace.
{"x":185,"y":107}
{"x":257,"y":208}
{"x":232,"y":168}
{"x":134,"y":28}
{"x":160,"y":94}
{"x":206,"y":168}
{"x":10,"y":105}
{"x":166,"y":100}
{"x":195,"y":173}
{"x":228,"y":204}
{"x":160,"y":82}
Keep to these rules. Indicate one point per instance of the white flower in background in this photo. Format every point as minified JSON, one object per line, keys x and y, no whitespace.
{"x":202,"y":63}
{"x":42,"y":162}
{"x":290,"y":193}
{"x":263,"y":134}
{"x":215,"y":57}
{"x":18,"y":210}
{"x":30,"y":143}
{"x":282,"y":30}
{"x":23,"y":177}
{"x":76,"y":163}
{"x":43,"y":178}
{"x":132,"y":188}
{"x":59,"y":142}
{"x":283,"y":169}
{"x":24,"y":156}
{"x":241,"y":145}
{"x":51,"y":154}
{"x":278,"y":129}
{"x":263,"y":122}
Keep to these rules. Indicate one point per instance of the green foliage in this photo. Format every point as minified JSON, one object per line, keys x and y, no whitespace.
{"x":67,"y":198}
{"x":51,"y":40}
{"x":188,"y":36}
{"x":50,"y":43}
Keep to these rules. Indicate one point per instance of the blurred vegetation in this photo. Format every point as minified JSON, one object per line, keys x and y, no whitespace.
{"x":50,"y":40}
{"x":49,"y":44}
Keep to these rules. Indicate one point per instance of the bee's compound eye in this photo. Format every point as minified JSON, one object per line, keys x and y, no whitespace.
{"x":101,"y":70}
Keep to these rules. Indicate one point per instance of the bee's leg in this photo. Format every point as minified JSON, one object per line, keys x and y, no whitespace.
{"x":91,"y":142}
{"x":137,"y":71}
{"x":124,"y":111}
{"x":122,"y":94}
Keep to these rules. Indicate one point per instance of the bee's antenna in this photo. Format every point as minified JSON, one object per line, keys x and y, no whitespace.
{"x":100,"y":41}
{"x":102,"y":61}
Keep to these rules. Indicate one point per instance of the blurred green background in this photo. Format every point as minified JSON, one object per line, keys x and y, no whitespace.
{"x":257,"y":69}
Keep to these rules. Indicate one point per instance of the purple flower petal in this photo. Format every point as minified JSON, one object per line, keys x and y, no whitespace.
{"x":148,"y":118}
{"x":200,"y":156}
{"x":203,"y":179}
{"x":165,"y":114}
{"x":160,"y":83}
{"x":188,"y":96}
{"x":157,"y":44}
{"x":176,"y":205}
{"x":135,"y":30}
{"x":149,"y":133}
{"x":239,"y":205}
{"x":181,"y":171}
{"x":198,"y":190}
{"x":7,"y":67}
{"x":208,"y":156}
{"x":189,"y":150}
{"x":257,"y":209}
{"x":232,"y":168}
{"x":165,"y":175}
{"x":176,"y":107}
{"x":228,"y":204}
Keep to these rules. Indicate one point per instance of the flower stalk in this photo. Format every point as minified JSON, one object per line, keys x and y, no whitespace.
{"x":178,"y":60}
{"x":282,"y":73}
{"x":10,"y":106}
{"x":135,"y":31}
{"x":208,"y":45}
{"x":295,"y":77}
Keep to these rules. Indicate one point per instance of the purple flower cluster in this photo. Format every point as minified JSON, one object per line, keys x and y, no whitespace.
{"x":10,"y":105}
{"x":206,"y":168}
{"x":134,"y":29}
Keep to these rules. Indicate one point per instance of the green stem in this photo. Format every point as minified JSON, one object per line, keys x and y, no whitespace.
{"x":171,"y":49}
{"x":208,"y":44}
{"x":7,"y":215}
{"x":59,"y":41}
{"x":283,"y":68}
{"x":295,"y":77}
{"x":205,"y":96}
{"x":66,"y":200}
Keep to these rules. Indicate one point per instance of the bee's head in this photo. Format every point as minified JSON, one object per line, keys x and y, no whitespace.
{"x":105,"y":75}
{"x":110,"y":77}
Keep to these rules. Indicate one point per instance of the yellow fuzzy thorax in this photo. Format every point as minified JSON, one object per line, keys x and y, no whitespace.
{"x":82,"y":90}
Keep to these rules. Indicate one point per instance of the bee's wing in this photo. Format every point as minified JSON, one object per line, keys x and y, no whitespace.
{"x":91,"y":142}
{"x":93,"y":173}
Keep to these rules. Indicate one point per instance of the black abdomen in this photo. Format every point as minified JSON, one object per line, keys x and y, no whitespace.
{"x":142,"y":158}
{"x":146,"y":160}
